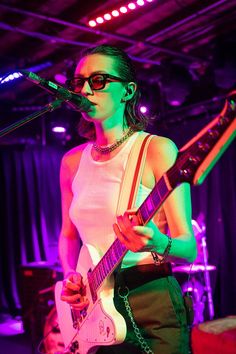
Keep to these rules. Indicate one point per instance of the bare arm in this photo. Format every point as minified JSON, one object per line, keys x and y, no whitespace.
{"x":69,"y":243}
{"x":73,"y":290}
{"x":177,"y":207}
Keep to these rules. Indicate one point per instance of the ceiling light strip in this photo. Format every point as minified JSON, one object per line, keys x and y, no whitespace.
{"x":123,"y":10}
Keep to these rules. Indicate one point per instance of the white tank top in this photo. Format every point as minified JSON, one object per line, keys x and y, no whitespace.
{"x":96,"y":189}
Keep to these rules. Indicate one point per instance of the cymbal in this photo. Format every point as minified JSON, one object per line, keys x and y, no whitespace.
{"x":193,"y":268}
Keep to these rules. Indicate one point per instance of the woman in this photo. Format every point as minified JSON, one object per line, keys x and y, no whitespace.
{"x":91,"y":176}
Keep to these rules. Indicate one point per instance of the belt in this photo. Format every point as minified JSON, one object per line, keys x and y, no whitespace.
{"x":136,"y":276}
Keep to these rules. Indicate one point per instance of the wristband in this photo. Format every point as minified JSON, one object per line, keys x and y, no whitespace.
{"x":167,"y":250}
{"x":155,"y":255}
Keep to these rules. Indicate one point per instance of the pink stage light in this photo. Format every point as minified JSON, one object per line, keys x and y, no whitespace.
{"x":123,"y":9}
{"x":107,"y":17}
{"x":175,"y":103}
{"x":99,"y":19}
{"x":92,"y":23}
{"x":131,"y":6}
{"x":59,"y":129}
{"x":115,"y":13}
{"x":140,"y":2}
{"x":143,"y":109}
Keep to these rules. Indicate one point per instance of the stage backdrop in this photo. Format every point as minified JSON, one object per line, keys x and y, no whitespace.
{"x":30,"y":217}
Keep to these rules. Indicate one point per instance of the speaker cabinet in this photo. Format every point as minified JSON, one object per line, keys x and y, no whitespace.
{"x":36,"y":291}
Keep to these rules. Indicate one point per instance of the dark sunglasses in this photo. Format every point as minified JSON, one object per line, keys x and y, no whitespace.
{"x":96,"y":81}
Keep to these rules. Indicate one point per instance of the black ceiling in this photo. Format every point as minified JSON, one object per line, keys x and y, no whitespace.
{"x":185,"y":52}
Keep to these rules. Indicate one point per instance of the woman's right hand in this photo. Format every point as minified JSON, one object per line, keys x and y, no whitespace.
{"x":74,"y":291}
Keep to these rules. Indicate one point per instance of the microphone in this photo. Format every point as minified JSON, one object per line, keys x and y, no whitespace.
{"x":78,"y":102}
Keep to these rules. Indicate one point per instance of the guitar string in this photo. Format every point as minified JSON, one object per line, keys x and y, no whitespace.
{"x":99,"y":272}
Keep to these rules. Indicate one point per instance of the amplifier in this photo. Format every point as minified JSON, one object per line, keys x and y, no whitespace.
{"x":36,"y":292}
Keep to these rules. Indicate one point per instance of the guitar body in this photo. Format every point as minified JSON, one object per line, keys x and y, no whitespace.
{"x":102,"y":324}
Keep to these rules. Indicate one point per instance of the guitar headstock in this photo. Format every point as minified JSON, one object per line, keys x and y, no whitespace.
{"x":196,"y":159}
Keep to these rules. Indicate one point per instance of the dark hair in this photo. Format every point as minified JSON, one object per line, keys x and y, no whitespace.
{"x":125,"y":68}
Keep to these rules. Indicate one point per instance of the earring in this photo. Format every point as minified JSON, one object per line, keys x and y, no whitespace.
{"x":129,"y":91}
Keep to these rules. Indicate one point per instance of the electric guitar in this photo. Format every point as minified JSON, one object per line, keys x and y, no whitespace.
{"x":83,"y":332}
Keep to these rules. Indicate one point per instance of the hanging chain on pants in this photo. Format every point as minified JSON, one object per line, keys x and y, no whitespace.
{"x":145,"y":347}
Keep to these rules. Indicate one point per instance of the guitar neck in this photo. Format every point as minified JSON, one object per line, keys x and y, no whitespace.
{"x":154,"y":200}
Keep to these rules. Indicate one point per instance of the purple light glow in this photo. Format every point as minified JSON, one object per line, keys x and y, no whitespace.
{"x":143,"y":109}
{"x":60,"y":78}
{"x":10,"y":326}
{"x":59,"y":129}
{"x":175,"y":103}
{"x":11,"y":77}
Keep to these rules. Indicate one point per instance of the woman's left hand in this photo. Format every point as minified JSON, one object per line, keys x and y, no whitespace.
{"x":135,"y":237}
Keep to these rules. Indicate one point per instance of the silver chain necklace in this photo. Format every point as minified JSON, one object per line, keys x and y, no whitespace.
{"x":109,"y":148}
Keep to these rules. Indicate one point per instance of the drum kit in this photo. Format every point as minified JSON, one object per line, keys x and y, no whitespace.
{"x":198,"y":283}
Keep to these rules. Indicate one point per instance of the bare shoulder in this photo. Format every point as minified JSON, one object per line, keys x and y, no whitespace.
{"x":70,"y":161}
{"x":161,"y":154}
{"x":162,"y":146}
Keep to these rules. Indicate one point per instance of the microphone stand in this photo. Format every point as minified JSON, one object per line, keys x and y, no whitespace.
{"x":48,"y":108}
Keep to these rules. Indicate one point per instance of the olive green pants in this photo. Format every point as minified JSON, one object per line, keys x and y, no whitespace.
{"x":159,"y":312}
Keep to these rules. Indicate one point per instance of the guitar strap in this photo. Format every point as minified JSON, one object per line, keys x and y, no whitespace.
{"x":127,"y":197}
{"x":133,"y":173}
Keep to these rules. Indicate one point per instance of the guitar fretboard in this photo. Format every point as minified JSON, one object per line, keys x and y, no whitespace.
{"x":106,"y":266}
{"x":153,"y":202}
